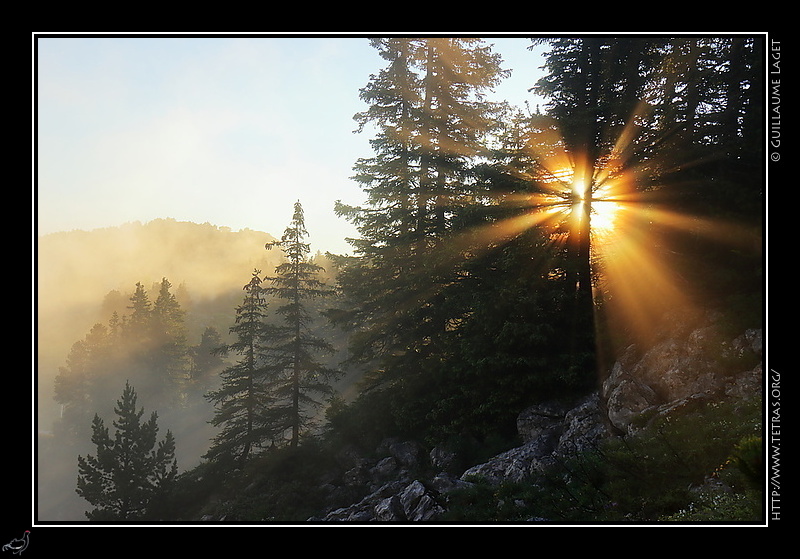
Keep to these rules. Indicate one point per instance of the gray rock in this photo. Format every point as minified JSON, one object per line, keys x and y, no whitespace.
{"x":444,"y":483}
{"x":441,"y":458}
{"x":542,"y":421}
{"x":419,"y":504}
{"x":384,"y":468}
{"x":390,"y":509}
{"x":406,"y":453}
{"x":515,"y":465}
{"x":584,"y":427}
{"x":688,"y":365}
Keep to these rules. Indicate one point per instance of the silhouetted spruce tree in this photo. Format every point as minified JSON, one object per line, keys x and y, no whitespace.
{"x":138,"y":329}
{"x":432,"y":122}
{"x":709,"y":107}
{"x":598,"y":91}
{"x":151,"y":344}
{"x":206,"y":362}
{"x":147,"y":346}
{"x":130,"y":472}
{"x":296,"y":378}
{"x":170,"y":359}
{"x":136,"y":346}
{"x":244,"y":395}
{"x":577,"y":85}
{"x":79,"y":385}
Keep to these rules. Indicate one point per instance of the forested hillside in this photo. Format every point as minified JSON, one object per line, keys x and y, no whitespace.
{"x":504,"y":258}
{"x":106,"y":285}
{"x":84,"y":276}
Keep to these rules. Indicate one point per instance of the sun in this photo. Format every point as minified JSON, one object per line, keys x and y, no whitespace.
{"x":568,"y":193}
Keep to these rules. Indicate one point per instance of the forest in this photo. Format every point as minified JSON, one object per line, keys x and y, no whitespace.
{"x":505,"y":256}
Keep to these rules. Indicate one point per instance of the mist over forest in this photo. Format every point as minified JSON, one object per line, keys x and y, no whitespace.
{"x":92,"y":274}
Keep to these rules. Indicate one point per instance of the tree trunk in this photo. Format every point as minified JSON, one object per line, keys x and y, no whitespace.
{"x":587,"y":150}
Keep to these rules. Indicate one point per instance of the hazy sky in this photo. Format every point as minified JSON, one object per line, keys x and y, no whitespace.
{"x":229,"y":131}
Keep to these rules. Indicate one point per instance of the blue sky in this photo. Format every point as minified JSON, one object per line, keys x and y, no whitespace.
{"x":229,"y":131}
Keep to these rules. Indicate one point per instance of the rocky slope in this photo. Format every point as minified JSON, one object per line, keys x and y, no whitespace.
{"x":693,"y":361}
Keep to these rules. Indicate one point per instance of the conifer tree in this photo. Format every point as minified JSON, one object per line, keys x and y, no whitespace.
{"x":130,"y":472}
{"x":205,"y":359}
{"x":82,"y":383}
{"x":169,"y":359}
{"x":152,"y":345}
{"x":146,"y":346}
{"x":296,"y":376}
{"x":577,"y":80}
{"x":138,"y":326}
{"x":676,"y":114}
{"x":243,"y":396}
{"x":432,"y":124}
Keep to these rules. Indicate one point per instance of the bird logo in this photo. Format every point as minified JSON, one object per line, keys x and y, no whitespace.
{"x":18,"y":545}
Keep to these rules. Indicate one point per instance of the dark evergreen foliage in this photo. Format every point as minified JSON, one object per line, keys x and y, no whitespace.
{"x":270,"y":393}
{"x":206,"y":362}
{"x":243,"y":396}
{"x":130,"y":475}
{"x":433,"y":122}
{"x":170,"y":354}
{"x":297,"y":377}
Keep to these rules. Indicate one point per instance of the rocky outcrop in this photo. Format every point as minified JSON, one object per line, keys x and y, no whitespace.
{"x":394,"y":495}
{"x":687,"y":363}
{"x":550,"y":431}
{"x":393,"y":501}
{"x":692,"y":363}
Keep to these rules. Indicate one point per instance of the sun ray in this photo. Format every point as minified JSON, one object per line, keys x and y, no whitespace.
{"x":633,"y":273}
{"x":633,"y":221}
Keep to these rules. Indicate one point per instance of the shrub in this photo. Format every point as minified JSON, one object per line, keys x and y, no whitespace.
{"x":656,"y":474}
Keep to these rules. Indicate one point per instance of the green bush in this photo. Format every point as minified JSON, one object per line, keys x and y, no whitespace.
{"x":716,"y":505}
{"x":662,"y":473}
{"x":737,"y":494}
{"x":748,"y":457}
{"x":485,"y":502}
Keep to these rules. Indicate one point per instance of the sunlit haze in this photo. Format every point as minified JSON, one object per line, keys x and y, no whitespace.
{"x":229,"y":131}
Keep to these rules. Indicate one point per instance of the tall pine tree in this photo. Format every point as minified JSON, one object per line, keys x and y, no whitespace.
{"x":205,"y":361}
{"x":170,"y":354}
{"x":243,"y":396}
{"x":81,"y":384}
{"x":432,"y":120}
{"x":147,"y":346}
{"x":297,"y":377}
{"x":412,"y":287}
{"x":667,"y":126}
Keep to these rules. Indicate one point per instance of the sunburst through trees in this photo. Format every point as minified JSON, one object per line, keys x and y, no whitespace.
{"x":622,"y":212}
{"x":645,"y":158}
